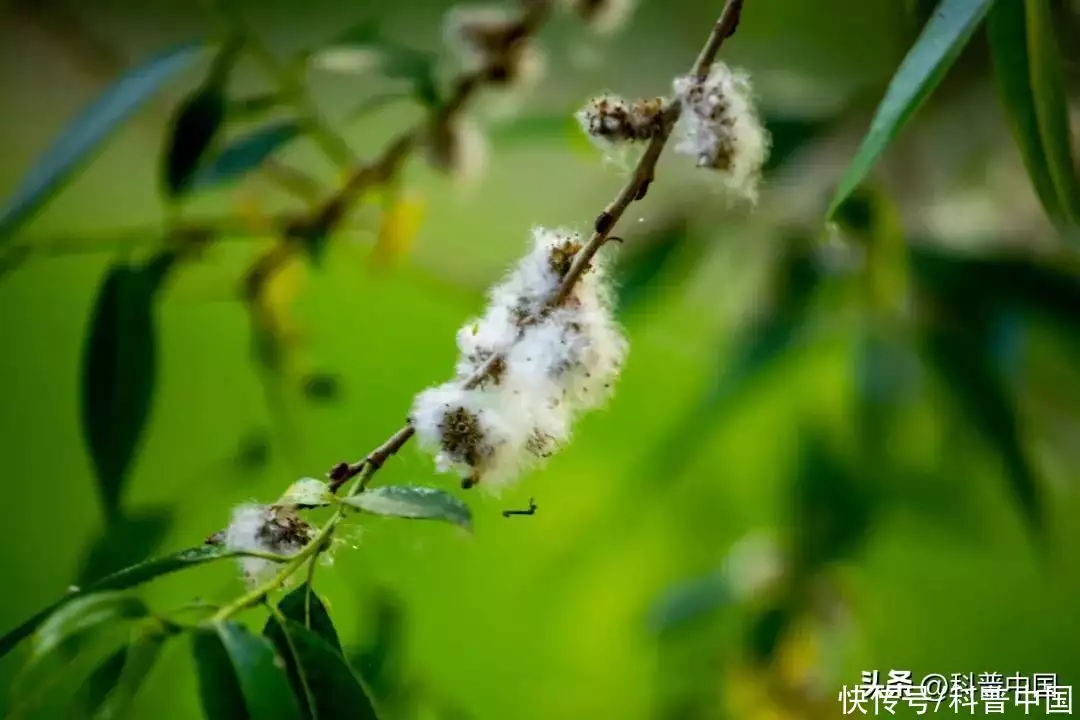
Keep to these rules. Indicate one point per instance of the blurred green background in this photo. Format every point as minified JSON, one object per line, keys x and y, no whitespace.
{"x":749,"y":407}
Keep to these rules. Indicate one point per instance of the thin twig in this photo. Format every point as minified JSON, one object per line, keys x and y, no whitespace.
{"x":635,"y":190}
{"x":333,"y":211}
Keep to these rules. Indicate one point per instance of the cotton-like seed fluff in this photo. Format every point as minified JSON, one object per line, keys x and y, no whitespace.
{"x":719,"y":127}
{"x":610,"y":120}
{"x":268,"y":529}
{"x":552,"y":364}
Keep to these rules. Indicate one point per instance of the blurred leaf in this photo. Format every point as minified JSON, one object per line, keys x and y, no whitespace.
{"x":796,"y":281}
{"x":254,"y":107}
{"x":117,"y":680}
{"x":82,"y":615}
{"x":253,"y":452}
{"x":240,"y":676}
{"x":380,"y":661}
{"x":832,"y":508}
{"x":197,"y":122}
{"x":319,"y":673}
{"x":304,"y":607}
{"x":121,"y":580}
{"x":687,"y":602}
{"x":373,"y":103}
{"x":940,"y":43}
{"x":245,"y":154}
{"x":1051,"y":105}
{"x":118,"y":376}
{"x":766,"y":631}
{"x":1006,"y":27}
{"x":958,"y":283}
{"x":125,"y":540}
{"x":86,"y":132}
{"x":658,"y":253}
{"x":563,"y":127}
{"x":364,"y":48}
{"x":773,"y":333}
{"x":272,"y":285}
{"x":413,"y":502}
{"x":193,"y":130}
{"x":402,"y":215}
{"x":963,"y":361}
{"x":321,"y":387}
{"x":789,"y":134}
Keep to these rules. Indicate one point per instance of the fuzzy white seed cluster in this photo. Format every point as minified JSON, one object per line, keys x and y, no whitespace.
{"x":610,"y":120}
{"x":547,"y":371}
{"x":719,"y":127}
{"x":265,"y":528}
{"x":490,"y":38}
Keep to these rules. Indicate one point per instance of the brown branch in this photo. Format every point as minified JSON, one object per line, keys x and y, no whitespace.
{"x":333,"y":210}
{"x":635,"y":190}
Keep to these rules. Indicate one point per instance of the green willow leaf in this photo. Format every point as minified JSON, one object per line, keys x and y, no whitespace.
{"x":304,"y":607}
{"x":194,"y":128}
{"x":832,"y":507}
{"x":245,"y":154}
{"x":667,"y":253}
{"x":117,"y":680}
{"x":1006,"y":28}
{"x":979,"y":395}
{"x":1051,"y":105}
{"x":118,"y":377}
{"x":240,"y":675}
{"x":372,"y":50}
{"x":319,"y":673}
{"x":413,"y":502}
{"x":380,"y":661}
{"x":198,"y":122}
{"x":82,"y":616}
{"x":83,"y":135}
{"x":938,"y":46}
{"x":691,"y":600}
{"x":121,"y":580}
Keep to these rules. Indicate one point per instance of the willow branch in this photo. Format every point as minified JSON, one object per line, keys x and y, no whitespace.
{"x":634,"y":190}
{"x":332,"y":211}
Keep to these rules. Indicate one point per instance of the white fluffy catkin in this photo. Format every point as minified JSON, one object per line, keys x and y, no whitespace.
{"x":549,"y":370}
{"x":719,"y":127}
{"x":268,"y":529}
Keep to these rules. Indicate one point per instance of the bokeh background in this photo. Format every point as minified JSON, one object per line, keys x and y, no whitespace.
{"x":812,"y":463}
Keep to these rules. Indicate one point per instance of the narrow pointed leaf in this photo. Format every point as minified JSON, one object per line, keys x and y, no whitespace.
{"x":84,"y":134}
{"x":245,"y":154}
{"x":240,"y":675}
{"x":121,"y":580}
{"x":937,"y":47}
{"x":364,"y":48}
{"x":118,"y":377}
{"x":117,"y":680}
{"x":979,"y":395}
{"x":1051,"y":105}
{"x":81,"y":616}
{"x":194,"y":128}
{"x":380,"y":661}
{"x":320,"y":674}
{"x":304,"y":607}
{"x":1006,"y":27}
{"x":414,"y":502}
